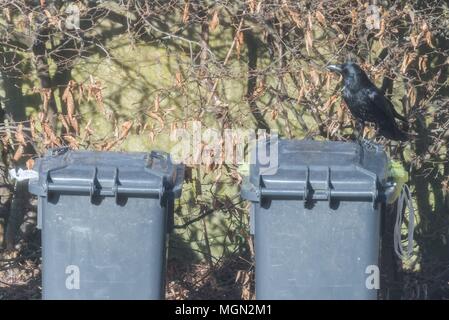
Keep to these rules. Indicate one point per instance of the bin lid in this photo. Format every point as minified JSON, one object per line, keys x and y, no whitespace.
{"x":107,"y":173}
{"x":318,"y":170}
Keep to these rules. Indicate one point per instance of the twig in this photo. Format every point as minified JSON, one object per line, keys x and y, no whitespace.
{"x":228,"y":55}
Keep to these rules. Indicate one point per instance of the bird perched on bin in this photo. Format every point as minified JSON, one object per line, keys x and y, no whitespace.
{"x":367,"y":103}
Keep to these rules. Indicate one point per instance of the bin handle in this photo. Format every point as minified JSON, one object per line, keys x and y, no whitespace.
{"x":404,"y":199}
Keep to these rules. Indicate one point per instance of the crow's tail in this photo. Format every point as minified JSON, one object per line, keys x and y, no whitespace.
{"x":394,"y":133}
{"x":401,"y":135}
{"x":397,"y":115}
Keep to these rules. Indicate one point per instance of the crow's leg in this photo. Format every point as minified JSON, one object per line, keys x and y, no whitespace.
{"x":368,"y":145}
{"x":364,"y":143}
{"x":360,"y":127}
{"x":379,"y":135}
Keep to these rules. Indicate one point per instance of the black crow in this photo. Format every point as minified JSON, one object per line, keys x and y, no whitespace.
{"x":367,"y":103}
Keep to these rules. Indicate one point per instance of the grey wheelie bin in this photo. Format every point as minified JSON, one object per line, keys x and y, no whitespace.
{"x":316,"y":220}
{"x":104,"y":218}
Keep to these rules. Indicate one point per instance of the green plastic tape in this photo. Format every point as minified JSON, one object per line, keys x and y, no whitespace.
{"x":399,"y":175}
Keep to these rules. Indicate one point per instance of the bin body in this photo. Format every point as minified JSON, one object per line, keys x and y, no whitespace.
{"x":104,"y":222}
{"x":316,"y":221}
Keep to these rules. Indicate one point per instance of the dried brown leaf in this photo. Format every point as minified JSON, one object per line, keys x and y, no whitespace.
{"x":33,"y":128}
{"x":185,"y":14}
{"x":428,"y":37}
{"x":179,"y":79}
{"x":382,"y":29}
{"x":45,"y":95}
{"x":354,"y":17}
{"x":64,"y":122}
{"x":239,"y":43}
{"x":20,"y":137}
{"x":19,"y":153}
{"x":29,"y":164}
{"x":328,"y":81}
{"x":300,"y":94}
{"x":74,"y":124}
{"x":215,"y":21}
{"x":50,"y":135}
{"x":252,"y":5}
{"x":314,"y":75}
{"x":158,"y":118}
{"x":309,"y":21}
{"x":67,"y":97}
{"x":151,"y":135}
{"x":320,"y":17}
{"x":414,"y":39}
{"x":125,"y":128}
{"x":293,"y":14}
{"x":109,"y":145}
{"x":80,"y":92}
{"x":309,"y":41}
{"x":7,"y":13}
{"x":408,"y":58}
{"x":411,"y":94}
{"x":96,"y":91}
{"x":422,"y":63}
{"x":87,"y":131}
{"x":73,"y":143}
{"x":157,"y":103}
{"x":329,"y":103}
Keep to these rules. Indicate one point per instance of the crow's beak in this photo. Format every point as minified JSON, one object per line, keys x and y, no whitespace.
{"x":335,"y":68}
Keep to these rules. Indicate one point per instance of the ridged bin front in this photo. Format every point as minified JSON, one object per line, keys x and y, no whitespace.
{"x":104,"y":222}
{"x":316,"y":221}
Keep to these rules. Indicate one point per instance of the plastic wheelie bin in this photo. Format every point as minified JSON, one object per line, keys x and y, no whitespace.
{"x":316,"y":220}
{"x":104,"y":218}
